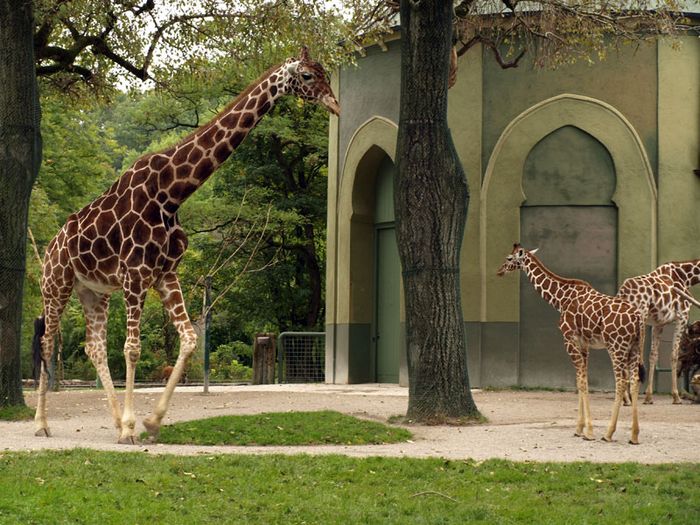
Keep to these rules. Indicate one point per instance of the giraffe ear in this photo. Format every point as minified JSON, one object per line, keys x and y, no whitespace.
{"x":304,"y":54}
{"x":534,"y":251}
{"x":292,"y":68}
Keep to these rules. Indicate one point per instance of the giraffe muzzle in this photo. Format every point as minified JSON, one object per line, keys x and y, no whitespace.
{"x":331,"y":104}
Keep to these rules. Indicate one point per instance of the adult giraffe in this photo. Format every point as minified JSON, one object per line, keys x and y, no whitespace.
{"x":589,"y":319}
{"x":129,"y":238}
{"x":663,"y":297}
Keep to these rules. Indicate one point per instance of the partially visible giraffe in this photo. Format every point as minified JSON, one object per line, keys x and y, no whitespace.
{"x":589,"y":319}
{"x":663,"y":297}
{"x":129,"y":238}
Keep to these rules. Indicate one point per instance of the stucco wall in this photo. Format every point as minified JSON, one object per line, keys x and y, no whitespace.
{"x":642,"y":105}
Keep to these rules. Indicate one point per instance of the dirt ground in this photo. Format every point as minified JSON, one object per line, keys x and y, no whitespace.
{"x":522,"y":426}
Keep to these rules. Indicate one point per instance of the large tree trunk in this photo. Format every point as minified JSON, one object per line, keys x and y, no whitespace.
{"x":431,"y":200}
{"x":20,"y":154}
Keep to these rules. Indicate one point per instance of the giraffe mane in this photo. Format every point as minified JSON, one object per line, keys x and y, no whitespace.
{"x":553,"y":275}
{"x":226,"y":108}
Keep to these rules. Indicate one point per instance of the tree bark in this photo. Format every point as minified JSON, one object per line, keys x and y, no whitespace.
{"x":431,"y":200}
{"x":20,"y":157}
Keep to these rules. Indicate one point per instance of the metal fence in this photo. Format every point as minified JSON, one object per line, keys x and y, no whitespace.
{"x":301,"y":357}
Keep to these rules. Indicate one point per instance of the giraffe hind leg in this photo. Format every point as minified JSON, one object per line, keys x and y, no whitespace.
{"x":680,"y":325}
{"x":52,"y":316}
{"x":653,"y":358}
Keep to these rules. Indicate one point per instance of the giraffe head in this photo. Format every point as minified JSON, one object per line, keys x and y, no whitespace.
{"x":514,"y":260}
{"x":309,"y":81}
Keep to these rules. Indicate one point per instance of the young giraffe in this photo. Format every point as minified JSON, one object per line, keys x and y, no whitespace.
{"x":129,"y":238}
{"x":663,"y":297}
{"x":589,"y":319}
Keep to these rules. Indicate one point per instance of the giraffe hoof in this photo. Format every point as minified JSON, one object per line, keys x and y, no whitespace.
{"x":677,"y":400}
{"x":588,"y":438}
{"x":633,"y":442}
{"x":648,"y":401}
{"x":152,"y":428}
{"x":127,"y":440}
{"x":43,"y":432}
{"x":607,"y":439}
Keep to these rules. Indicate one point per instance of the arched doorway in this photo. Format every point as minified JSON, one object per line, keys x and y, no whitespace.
{"x":362,"y":261}
{"x":511,"y":212}
{"x":568,"y":213}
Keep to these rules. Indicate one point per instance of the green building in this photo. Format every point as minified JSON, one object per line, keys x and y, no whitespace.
{"x":595,"y":165}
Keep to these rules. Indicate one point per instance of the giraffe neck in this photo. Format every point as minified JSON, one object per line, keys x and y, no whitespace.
{"x":183,"y":168}
{"x":687,"y":273}
{"x":554,"y":289}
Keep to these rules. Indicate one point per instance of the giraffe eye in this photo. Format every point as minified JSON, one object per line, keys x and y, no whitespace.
{"x":307,"y":76}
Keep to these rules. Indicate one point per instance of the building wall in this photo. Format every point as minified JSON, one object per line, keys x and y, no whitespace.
{"x":642,"y":108}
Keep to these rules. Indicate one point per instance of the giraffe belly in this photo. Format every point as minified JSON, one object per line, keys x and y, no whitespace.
{"x":661,"y":317}
{"x":100,"y":287}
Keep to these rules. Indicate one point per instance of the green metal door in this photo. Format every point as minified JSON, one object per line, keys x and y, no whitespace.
{"x":388,"y":292}
{"x":387,"y":283}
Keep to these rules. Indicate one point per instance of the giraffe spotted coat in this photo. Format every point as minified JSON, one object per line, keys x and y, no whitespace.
{"x":129,"y":238}
{"x":589,"y":319}
{"x":662,"y":298}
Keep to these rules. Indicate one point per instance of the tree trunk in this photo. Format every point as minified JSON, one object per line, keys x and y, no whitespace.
{"x":20,"y":157}
{"x":431,"y":200}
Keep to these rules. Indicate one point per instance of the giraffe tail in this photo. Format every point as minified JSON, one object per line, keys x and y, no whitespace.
{"x":642,"y":373}
{"x":685,"y":295}
{"x":39,"y":331}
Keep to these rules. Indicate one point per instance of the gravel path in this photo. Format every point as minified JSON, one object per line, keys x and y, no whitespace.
{"x":523,"y":426}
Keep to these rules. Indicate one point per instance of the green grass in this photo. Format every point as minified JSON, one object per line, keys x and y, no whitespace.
{"x":84,"y":486}
{"x":16,"y":413}
{"x":282,"y":428}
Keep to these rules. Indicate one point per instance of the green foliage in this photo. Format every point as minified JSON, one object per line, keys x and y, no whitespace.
{"x":282,"y":428}
{"x":232,"y":362}
{"x":170,"y":40}
{"x":107,"y":488}
{"x":258,"y":227}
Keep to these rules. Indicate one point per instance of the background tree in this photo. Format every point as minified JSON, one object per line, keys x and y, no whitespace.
{"x":431,"y":201}
{"x":20,"y":154}
{"x":431,"y":196}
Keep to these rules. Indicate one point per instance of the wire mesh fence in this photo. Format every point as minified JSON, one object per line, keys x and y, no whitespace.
{"x":301,"y":357}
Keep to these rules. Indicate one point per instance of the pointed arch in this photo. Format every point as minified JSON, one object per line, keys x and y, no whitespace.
{"x":349,"y":349}
{"x":502,"y":194}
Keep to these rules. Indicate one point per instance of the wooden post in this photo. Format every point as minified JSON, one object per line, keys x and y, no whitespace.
{"x":264,"y":359}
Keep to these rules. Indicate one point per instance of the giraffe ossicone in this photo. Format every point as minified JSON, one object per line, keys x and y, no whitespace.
{"x":589,"y":319}
{"x":129,"y":239}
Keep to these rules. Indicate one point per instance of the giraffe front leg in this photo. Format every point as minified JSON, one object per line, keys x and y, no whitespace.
{"x":579,"y":357}
{"x":680,"y":325}
{"x":171,"y":296}
{"x":96,"y":309}
{"x":587,"y":433}
{"x":134,"y":296}
{"x":653,"y":358}
{"x":579,"y":415}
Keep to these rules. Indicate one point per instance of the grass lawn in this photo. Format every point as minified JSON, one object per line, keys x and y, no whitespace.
{"x":85,"y":486}
{"x":16,"y":413}
{"x":282,"y":428}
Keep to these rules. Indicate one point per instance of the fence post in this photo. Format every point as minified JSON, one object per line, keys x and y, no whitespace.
{"x":264,"y":359}
{"x":207,"y":321}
